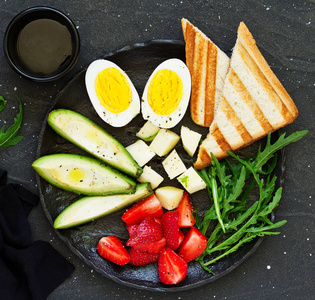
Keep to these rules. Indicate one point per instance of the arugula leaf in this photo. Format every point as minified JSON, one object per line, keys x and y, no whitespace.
{"x":9,"y":137}
{"x":3,"y":103}
{"x":263,"y":156}
{"x":184,"y":180}
{"x":217,"y":198}
{"x":270,"y":149}
{"x":229,"y":187}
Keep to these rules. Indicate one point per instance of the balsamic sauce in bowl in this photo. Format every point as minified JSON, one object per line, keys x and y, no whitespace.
{"x":42,"y":44}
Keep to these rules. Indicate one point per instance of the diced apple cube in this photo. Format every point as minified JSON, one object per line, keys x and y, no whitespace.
{"x":148,"y":131}
{"x":169,"y":196}
{"x":173,"y":165}
{"x":164,"y":142}
{"x":191,"y":181}
{"x":149,"y":175}
{"x":140,"y":152}
{"x":190,"y":139}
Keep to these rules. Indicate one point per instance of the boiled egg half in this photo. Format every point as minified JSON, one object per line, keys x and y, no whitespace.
{"x":166,"y":94}
{"x":112,"y":93}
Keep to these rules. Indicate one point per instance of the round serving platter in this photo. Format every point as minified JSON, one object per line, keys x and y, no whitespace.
{"x":138,"y":61}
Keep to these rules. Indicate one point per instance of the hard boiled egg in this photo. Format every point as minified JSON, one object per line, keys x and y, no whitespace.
{"x":112,"y":93}
{"x":166,"y":94}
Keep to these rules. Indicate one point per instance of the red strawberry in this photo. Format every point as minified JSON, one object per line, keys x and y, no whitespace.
{"x":158,"y":220}
{"x":111,"y":248}
{"x":172,"y":268}
{"x":150,"y":206}
{"x":139,"y":258}
{"x":185,"y":210}
{"x":132,"y":229}
{"x":151,"y":247}
{"x":150,"y":226}
{"x":171,"y":229}
{"x":193,"y":245}
{"x":148,"y":231}
{"x":181,"y":237}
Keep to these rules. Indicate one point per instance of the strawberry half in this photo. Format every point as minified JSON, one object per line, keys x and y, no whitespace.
{"x":185,"y":210}
{"x":111,"y":248}
{"x":150,"y":227}
{"x":171,"y":229}
{"x":139,"y":258}
{"x":193,"y":245}
{"x":151,"y":247}
{"x":150,"y":206}
{"x":148,"y":231}
{"x":172,"y":268}
{"x":132,"y":229}
{"x":181,"y":237}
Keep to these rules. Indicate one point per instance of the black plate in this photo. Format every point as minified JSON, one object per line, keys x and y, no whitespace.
{"x":138,"y":61}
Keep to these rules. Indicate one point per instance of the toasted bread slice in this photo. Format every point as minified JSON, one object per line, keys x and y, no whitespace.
{"x":208,"y":66}
{"x":253,"y":103}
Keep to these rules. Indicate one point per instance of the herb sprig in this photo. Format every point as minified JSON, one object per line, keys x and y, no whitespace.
{"x":238,"y":221}
{"x":9,"y":137}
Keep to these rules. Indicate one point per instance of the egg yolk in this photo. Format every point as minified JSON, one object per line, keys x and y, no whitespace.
{"x":113,"y":90}
{"x":165,"y":92}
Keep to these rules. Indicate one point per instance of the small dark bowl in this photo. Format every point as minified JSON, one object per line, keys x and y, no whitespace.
{"x":24,"y":18}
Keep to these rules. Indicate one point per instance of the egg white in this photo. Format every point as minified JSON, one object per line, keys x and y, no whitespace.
{"x":113,"y":119}
{"x":170,"y":120}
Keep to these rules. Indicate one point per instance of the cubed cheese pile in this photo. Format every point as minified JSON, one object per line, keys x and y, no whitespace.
{"x":162,"y":143}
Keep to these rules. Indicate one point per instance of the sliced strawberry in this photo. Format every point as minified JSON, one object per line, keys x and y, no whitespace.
{"x":132,"y":229}
{"x":111,"y":248}
{"x":185,"y":210}
{"x":151,"y":247}
{"x":151,"y":227}
{"x":181,"y":237}
{"x":172,"y":268}
{"x":150,"y":206}
{"x":171,"y":229}
{"x":139,"y":258}
{"x":193,"y":245}
{"x":157,"y":220}
{"x":148,"y":231}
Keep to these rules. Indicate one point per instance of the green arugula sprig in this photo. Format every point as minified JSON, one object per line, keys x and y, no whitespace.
{"x":229,"y":186}
{"x":3,"y":103}
{"x":9,"y":137}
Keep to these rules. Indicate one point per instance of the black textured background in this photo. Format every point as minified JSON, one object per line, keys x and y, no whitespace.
{"x":283,"y":266}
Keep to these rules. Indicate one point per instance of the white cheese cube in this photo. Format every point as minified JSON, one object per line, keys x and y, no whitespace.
{"x":190,"y":139}
{"x":149,"y":175}
{"x":173,"y":165}
{"x":164,"y":142}
{"x":169,"y":196}
{"x":140,"y":152}
{"x":191,"y":181}
{"x":148,"y":131}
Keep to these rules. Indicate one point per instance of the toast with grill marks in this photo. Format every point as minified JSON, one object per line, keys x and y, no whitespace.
{"x":208,"y":66}
{"x":253,"y":103}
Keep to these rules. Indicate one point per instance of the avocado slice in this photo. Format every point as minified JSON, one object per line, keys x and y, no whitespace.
{"x":92,"y":138}
{"x":82,"y":175}
{"x":90,"y":208}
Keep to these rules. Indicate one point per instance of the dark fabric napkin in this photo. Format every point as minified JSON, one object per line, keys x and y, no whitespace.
{"x":28,"y":269}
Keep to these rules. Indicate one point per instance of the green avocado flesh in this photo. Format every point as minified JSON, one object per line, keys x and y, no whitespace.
{"x":90,"y":208}
{"x":90,"y":137}
{"x":82,"y":175}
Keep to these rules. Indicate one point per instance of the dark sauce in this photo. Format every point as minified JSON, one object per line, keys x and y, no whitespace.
{"x":44,"y":45}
